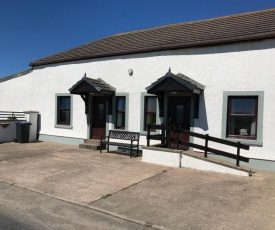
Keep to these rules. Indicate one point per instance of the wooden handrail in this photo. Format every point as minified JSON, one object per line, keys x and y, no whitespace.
{"x":167,"y":139}
{"x":215,"y":139}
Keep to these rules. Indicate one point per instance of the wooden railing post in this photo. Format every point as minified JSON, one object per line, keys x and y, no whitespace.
{"x":169,"y":136}
{"x":163,"y":135}
{"x":148,"y":134}
{"x":206,"y":145}
{"x":179,"y":130}
{"x":238,"y":154}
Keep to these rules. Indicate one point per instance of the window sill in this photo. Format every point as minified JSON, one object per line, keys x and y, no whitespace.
{"x":247,"y":141}
{"x":63,"y":126}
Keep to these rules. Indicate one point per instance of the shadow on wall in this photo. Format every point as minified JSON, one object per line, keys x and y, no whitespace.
{"x":202,"y":122}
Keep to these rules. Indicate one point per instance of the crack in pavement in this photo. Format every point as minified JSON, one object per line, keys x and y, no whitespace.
{"x":134,"y":184}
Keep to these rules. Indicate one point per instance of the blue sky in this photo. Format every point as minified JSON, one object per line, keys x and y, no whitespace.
{"x":32,"y":29}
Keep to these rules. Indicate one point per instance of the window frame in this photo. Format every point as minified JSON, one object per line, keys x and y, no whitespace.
{"x":58,"y":124}
{"x":145,"y":113}
{"x":142,"y":107}
{"x":258,"y":140}
{"x":230,"y":115}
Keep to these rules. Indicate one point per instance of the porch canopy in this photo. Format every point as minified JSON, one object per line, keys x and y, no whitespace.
{"x":87,"y":86}
{"x":175,"y":83}
{"x":90,"y":85}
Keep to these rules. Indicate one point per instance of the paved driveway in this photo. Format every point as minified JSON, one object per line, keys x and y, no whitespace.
{"x":128,"y":188}
{"x":64,"y":171}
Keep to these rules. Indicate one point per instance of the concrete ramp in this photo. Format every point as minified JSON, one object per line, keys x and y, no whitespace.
{"x":191,"y":159}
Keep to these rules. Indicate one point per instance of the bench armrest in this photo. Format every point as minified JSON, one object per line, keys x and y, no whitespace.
{"x":134,"y":140}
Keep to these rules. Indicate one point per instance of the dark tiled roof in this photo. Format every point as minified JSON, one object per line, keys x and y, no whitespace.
{"x":88,"y":85}
{"x":234,"y":28}
{"x":15,"y":75}
{"x":193,"y":84}
{"x":180,"y":83}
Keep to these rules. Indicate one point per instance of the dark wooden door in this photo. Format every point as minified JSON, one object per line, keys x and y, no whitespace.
{"x":98,"y":118}
{"x":179,"y":115}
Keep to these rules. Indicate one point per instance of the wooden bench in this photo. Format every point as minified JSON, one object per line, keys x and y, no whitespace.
{"x":121,"y":135}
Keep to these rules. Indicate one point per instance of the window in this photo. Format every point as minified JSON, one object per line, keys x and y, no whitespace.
{"x":150,"y":111}
{"x":242,"y":117}
{"x":120,"y":112}
{"x":63,"y":110}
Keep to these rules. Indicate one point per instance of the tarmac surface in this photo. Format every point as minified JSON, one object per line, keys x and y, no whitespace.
{"x":53,"y":186}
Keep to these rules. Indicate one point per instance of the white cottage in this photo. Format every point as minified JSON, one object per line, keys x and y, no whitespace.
{"x":211,"y":76}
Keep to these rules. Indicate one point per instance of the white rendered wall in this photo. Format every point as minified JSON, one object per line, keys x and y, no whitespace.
{"x":237,"y":67}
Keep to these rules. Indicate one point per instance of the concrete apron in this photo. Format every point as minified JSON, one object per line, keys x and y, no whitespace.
{"x":65,"y":172}
{"x":129,"y":189}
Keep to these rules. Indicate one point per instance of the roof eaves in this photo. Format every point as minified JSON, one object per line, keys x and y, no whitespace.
{"x":10,"y":77}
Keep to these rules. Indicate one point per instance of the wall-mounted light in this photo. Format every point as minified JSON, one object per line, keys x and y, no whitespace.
{"x":130,"y":71}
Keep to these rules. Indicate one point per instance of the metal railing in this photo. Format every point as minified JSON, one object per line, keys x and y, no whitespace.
{"x":167,"y":139}
{"x":10,"y":115}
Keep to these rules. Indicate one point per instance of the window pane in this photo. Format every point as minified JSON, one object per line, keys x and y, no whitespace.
{"x":242,"y":126}
{"x":64,"y":102}
{"x":150,"y":111}
{"x":243,"y":106}
{"x":120,"y":112}
{"x":63,"y":110}
{"x":64,"y":116}
{"x":120,"y":120}
{"x":150,"y":119}
{"x":151,"y":104}
{"x":121,"y":104}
